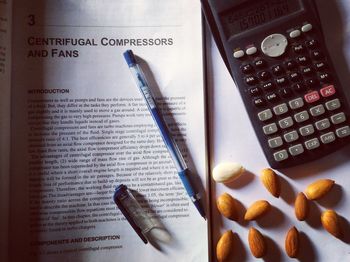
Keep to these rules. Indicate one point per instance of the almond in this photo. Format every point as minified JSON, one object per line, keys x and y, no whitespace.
{"x":256,"y":242}
{"x":226,"y":205}
{"x":301,"y":207}
{"x":330,"y":222}
{"x":224,"y":246}
{"x":257,"y":209}
{"x":291,"y":243}
{"x":271,"y":181}
{"x":227,"y":171}
{"x":318,"y":188}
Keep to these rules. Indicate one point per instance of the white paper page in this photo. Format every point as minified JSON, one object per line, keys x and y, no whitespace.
{"x":5,"y":78}
{"x":233,"y":139}
{"x":82,"y":128}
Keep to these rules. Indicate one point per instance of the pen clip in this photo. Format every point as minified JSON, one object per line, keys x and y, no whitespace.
{"x":117,"y":194}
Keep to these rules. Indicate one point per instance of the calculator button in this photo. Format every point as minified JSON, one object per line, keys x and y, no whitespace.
{"x":285,"y":92}
{"x":299,"y":87}
{"x":265,"y":115}
{"x":306,"y":130}
{"x":251,"y":80}
{"x":323,"y":124}
{"x":324,"y":77}
{"x":274,"y":45}
{"x":333,"y":104}
{"x":327,"y":138}
{"x":277,"y":70}
{"x":280,"y":109}
{"x":280,"y":155}
{"x":238,"y":54}
{"x":254,"y":91}
{"x":312,"y":144}
{"x":343,"y":131}
{"x":270,"y":129}
{"x":251,"y":50}
{"x":327,"y":91}
{"x":338,"y":118}
{"x":317,"y":110}
{"x":275,"y":142}
{"x":264,"y":75}
{"x":281,"y":81}
{"x":296,"y":103}
{"x":299,"y":48}
{"x":303,"y":60}
{"x":312,"y":97}
{"x":294,"y":34}
{"x":260,"y":63}
{"x":291,"y":64}
{"x":286,"y":122}
{"x":306,"y":28}
{"x":301,"y":116}
{"x":320,"y":65}
{"x":312,"y":44}
{"x":291,"y":136}
{"x":272,"y":97}
{"x":268,"y":86}
{"x":311,"y":82}
{"x":259,"y":102}
{"x":295,"y":76}
{"x":307,"y":71}
{"x":317,"y":55}
{"x":296,"y":150}
{"x":247,"y":68}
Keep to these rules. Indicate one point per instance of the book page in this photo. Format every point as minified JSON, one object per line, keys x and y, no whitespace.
{"x":82,"y":128}
{"x":5,"y":79}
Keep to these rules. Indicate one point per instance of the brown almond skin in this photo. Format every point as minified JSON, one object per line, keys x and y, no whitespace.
{"x":331,"y":222}
{"x":319,"y":188}
{"x":271,"y":181}
{"x":257,"y":243}
{"x":224,"y":246}
{"x":257,"y":209}
{"x":301,"y":207}
{"x":292,"y":242}
{"x":226,"y":205}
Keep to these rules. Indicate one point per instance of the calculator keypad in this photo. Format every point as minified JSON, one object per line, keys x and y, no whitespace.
{"x":317,"y":110}
{"x":343,"y":132}
{"x":295,"y":96}
{"x":296,"y":150}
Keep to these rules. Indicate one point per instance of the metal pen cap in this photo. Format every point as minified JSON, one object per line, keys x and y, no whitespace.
{"x":132,"y":211}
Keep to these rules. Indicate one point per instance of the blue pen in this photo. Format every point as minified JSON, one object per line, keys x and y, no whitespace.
{"x":173,"y":149}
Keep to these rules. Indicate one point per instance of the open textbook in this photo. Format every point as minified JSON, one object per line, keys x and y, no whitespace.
{"x":74,"y":126}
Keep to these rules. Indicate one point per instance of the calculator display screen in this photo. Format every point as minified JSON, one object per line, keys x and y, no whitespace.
{"x":255,"y":13}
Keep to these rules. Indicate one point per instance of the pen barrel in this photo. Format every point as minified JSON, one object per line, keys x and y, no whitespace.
{"x":184,"y":176}
{"x":195,"y":198}
{"x":143,"y":86}
{"x":169,"y":142}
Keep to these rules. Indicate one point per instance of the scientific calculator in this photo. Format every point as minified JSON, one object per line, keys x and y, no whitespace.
{"x":276,"y":54}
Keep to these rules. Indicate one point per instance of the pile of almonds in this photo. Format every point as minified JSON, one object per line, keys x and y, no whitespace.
{"x":227,"y":206}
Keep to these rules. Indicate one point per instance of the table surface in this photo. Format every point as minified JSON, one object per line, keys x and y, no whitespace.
{"x":232,"y":139}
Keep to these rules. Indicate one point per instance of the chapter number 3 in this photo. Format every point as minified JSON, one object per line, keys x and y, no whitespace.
{"x":31,"y":20}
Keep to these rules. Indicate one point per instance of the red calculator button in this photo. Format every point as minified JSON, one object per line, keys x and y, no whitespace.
{"x":312,"y":97}
{"x":327,"y":91}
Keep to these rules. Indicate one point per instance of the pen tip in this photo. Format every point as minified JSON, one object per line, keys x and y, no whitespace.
{"x":200,"y":208}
